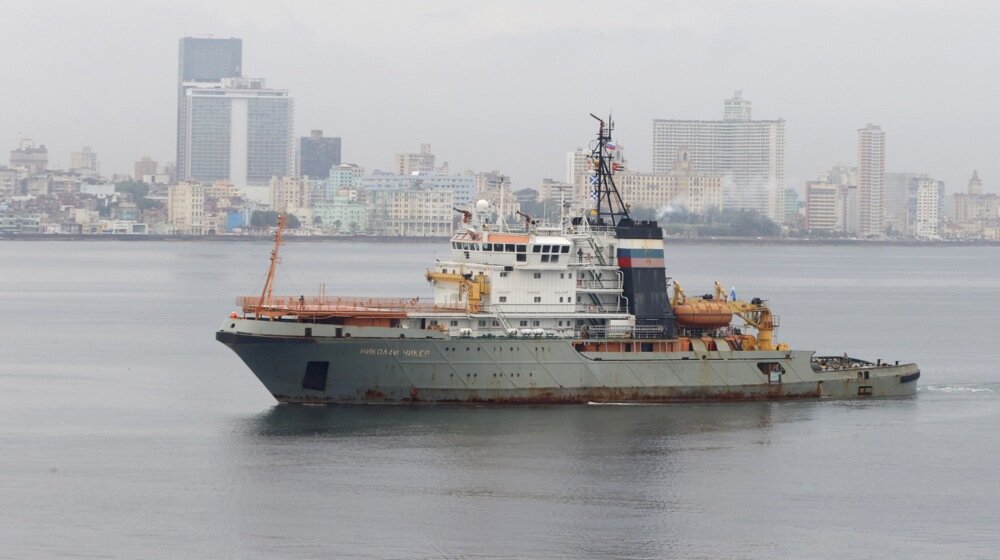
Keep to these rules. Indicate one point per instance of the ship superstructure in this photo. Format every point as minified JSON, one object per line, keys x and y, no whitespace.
{"x":576,"y":312}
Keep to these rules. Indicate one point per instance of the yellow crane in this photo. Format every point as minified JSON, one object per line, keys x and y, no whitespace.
{"x":475,"y":286}
{"x":755,"y":313}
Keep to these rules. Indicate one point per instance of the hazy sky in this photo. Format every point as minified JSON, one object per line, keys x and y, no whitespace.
{"x":508,"y":85}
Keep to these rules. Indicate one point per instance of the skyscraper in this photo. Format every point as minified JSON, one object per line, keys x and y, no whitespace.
{"x":202,"y":60}
{"x":749,"y":154}
{"x":871,"y":179}
{"x":238,"y":130}
{"x":318,"y":154}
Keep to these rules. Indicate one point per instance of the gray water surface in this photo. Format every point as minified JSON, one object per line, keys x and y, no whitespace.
{"x":126,"y":431}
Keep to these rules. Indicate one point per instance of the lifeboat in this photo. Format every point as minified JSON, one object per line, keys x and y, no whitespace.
{"x":703,"y":314}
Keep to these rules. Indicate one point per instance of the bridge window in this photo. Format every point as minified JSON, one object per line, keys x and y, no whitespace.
{"x":487,"y":246}
{"x":522,"y":257}
{"x":509,"y":247}
{"x":545,"y":258}
{"x":536,"y":248}
{"x":538,"y":299}
{"x":503,"y":299}
{"x":565,"y":249}
{"x":537,"y":275}
{"x":522,"y":248}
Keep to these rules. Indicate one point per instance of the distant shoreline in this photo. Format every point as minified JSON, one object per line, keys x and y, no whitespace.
{"x":397,"y":239}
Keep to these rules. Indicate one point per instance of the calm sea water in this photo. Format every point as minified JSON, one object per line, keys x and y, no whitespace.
{"x":126,"y":431}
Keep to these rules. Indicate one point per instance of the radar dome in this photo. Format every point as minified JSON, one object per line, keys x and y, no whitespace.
{"x":482,"y":206}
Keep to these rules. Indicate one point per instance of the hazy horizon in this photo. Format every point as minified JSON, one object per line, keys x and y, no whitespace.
{"x":509,"y":86}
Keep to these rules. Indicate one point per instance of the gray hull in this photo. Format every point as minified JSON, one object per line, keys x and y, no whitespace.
{"x":296,"y":368}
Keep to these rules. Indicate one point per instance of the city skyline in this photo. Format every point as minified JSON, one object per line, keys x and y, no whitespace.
{"x":475,"y":91}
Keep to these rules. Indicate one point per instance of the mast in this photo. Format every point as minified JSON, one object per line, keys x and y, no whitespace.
{"x":268,"y":291}
{"x":610,"y":207}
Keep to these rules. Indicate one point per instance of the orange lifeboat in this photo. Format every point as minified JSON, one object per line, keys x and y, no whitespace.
{"x":703,"y":314}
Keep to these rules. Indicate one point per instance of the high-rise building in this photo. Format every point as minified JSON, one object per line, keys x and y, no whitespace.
{"x":202,"y":60}
{"x":749,"y":154}
{"x":577,"y":166}
{"x":871,"y":179}
{"x":318,"y":154}
{"x":422,"y":163}
{"x":928,"y":208}
{"x":238,"y":130}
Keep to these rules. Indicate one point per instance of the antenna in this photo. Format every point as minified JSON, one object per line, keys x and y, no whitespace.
{"x":609,"y":200}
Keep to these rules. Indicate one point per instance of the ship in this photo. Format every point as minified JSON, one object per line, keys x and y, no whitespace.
{"x":576,"y":312}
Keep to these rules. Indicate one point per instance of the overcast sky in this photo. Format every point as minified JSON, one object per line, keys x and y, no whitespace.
{"x":508,"y":85}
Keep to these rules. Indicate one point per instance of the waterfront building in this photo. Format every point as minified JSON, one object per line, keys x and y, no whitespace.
{"x":748,"y":154}
{"x":33,"y":159}
{"x":412,"y":212}
{"x":342,"y":213}
{"x":238,"y":130}
{"x":974,"y":210}
{"x":421,"y":163}
{"x":832,"y":201}
{"x":186,"y":208}
{"x":463,"y":187}
{"x":928,"y":209}
{"x":871,"y":180}
{"x":201,"y":60}
{"x":824,"y":209}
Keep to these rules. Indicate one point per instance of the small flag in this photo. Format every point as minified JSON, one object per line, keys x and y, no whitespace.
{"x":594,"y":195}
{"x":617,"y":167}
{"x":611,"y":146}
{"x":593,"y":180}
{"x":732,"y":293}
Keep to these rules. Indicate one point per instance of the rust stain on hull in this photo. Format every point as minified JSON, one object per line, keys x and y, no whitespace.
{"x":547,"y":397}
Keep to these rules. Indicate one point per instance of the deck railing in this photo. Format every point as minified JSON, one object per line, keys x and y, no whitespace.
{"x":343,"y":304}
